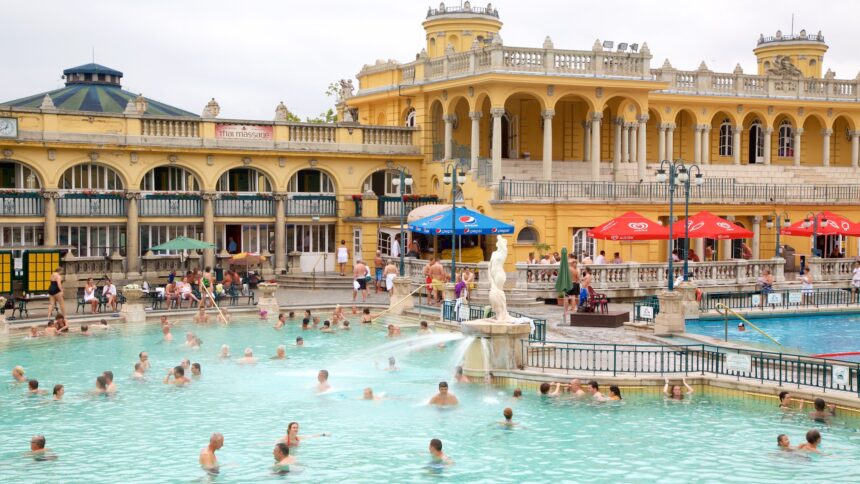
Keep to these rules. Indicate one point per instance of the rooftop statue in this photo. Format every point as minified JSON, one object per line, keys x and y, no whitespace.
{"x":784,"y":68}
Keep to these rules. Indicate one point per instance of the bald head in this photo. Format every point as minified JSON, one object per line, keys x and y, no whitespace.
{"x":216,"y":441}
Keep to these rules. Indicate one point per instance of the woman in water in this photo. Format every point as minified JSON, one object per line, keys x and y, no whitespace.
{"x":90,"y":296}
{"x":676,"y":393}
{"x":55,"y":292}
{"x":293,"y":439}
{"x":614,"y":392}
{"x":59,"y":390}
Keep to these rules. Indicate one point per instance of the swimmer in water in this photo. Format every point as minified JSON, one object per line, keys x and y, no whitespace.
{"x":143,"y":356}
{"x":436,"y":453}
{"x":264,"y":314}
{"x":305,"y":323}
{"x":111,"y":386}
{"x":291,"y":315}
{"x":85,"y":330}
{"x":201,"y":316}
{"x":300,"y":341}
{"x":38,"y":450}
{"x":368,"y":395}
{"x":18,"y":374}
{"x":316,"y":321}
{"x":101,"y":386}
{"x":813,"y":440}
{"x":196,"y":371}
{"x":823,"y":412}
{"x":322,"y":379}
{"x":34,"y":331}
{"x":676,"y":393}
{"x":281,"y":322}
{"x":785,"y":402}
{"x":345,"y":325}
{"x":138,"y":372}
{"x":575,"y":388}
{"x":224,"y":354}
{"x":337,"y":316}
{"x":741,"y":327}
{"x":424,"y":328}
{"x":164,"y":322}
{"x":165,"y":330}
{"x":59,"y":391}
{"x":33,"y":388}
{"x":614,"y":392}
{"x":185,"y":364}
{"x":544,"y":389}
{"x":508,"y":422}
{"x":207,"y":460}
{"x":280,"y":353}
{"x":326,"y":327}
{"x":392,"y":364}
{"x":366,"y":317}
{"x":293,"y":439}
{"x":783,"y":442}
{"x":189,"y":339}
{"x":248,"y":359}
{"x":178,"y":375}
{"x":459,"y":377}
{"x":444,"y":398}
{"x":283,"y":459}
{"x":517,"y":394}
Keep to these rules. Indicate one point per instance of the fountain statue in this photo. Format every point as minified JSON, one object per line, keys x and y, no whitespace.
{"x":498,"y":301}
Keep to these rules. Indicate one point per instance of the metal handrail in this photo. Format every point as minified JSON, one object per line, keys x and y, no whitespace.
{"x":728,"y":310}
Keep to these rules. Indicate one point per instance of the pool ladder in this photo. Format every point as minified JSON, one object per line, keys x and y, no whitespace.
{"x":725,"y":313}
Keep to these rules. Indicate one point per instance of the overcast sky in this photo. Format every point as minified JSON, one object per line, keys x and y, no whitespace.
{"x":250,"y":54}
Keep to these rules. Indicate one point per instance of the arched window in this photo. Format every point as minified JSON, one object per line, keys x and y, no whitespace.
{"x":726,"y":148}
{"x":243,"y":180}
{"x":785,"y":148}
{"x":311,"y":181}
{"x":410,"y":118}
{"x":90,"y":176}
{"x":582,"y":243}
{"x":382,"y":183}
{"x":812,"y":63}
{"x":16,"y":175}
{"x":169,"y":179}
{"x":757,"y":134}
{"x":527,"y":235}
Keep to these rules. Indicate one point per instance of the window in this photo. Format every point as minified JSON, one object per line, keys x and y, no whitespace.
{"x":243,"y":180}
{"x":19,"y":235}
{"x":812,"y":63}
{"x":152,"y":235}
{"x":785,"y":148}
{"x":757,"y":133}
{"x":527,"y":235}
{"x":410,"y":118}
{"x":726,"y":147}
{"x":169,"y":179}
{"x":90,"y":176}
{"x":93,"y":241}
{"x":310,"y":181}
{"x":356,"y":244}
{"x":310,"y":238}
{"x":582,"y":243}
{"x":16,"y":175}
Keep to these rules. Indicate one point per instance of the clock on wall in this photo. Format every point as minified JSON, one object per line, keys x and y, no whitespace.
{"x":8,"y":127}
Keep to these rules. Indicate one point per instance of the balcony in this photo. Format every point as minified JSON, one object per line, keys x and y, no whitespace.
{"x":170,"y":205}
{"x":390,"y":206}
{"x":234,"y":205}
{"x":91,"y":204}
{"x":311,"y":206}
{"x":20,"y":203}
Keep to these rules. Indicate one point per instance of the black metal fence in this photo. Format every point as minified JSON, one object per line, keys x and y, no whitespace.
{"x":451,"y":312}
{"x":782,"y":298}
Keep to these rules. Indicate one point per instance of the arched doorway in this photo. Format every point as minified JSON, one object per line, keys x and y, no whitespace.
{"x":756,"y":142}
{"x":583,"y":244}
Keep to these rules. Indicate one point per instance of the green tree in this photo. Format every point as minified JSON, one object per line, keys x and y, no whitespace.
{"x":325,"y":117}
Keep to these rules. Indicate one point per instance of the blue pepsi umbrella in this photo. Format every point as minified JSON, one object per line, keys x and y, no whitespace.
{"x":467,"y":222}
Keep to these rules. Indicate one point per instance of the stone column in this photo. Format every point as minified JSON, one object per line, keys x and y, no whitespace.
{"x":756,"y":241}
{"x":595,"y":146}
{"x":697,"y":144}
{"x":617,"y":144}
{"x":547,"y":115}
{"x":767,"y":133}
{"x":797,"y":134}
{"x":671,"y":317}
{"x":661,"y":143}
{"x":132,"y":233}
{"x":475,"y":148}
{"x":855,"y":148}
{"x":449,"y":134}
{"x":825,"y":147}
{"x":706,"y":144}
{"x":497,"y":114}
{"x":625,"y":142}
{"x":586,"y":144}
{"x":209,"y":227}
{"x":642,"y":151}
{"x":699,"y":244}
{"x":633,"y":143}
{"x":280,"y":233}
{"x":736,"y":144}
{"x":726,"y":245}
{"x":50,"y":197}
{"x":670,"y":141}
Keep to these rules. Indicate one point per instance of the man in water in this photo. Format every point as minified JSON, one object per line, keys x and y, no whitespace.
{"x":326,"y":327}
{"x":459,"y":377}
{"x":305,"y":323}
{"x":575,"y":388}
{"x":38,"y":450}
{"x":18,"y":374}
{"x":823,"y":411}
{"x":33,"y":388}
{"x":813,"y":440}
{"x":196,"y":371}
{"x":322,"y":378}
{"x":283,"y":459}
{"x":138,"y":371}
{"x":281,"y":322}
{"x":185,"y":363}
{"x":167,"y":336}
{"x":508,"y":422}
{"x":424,"y":329}
{"x":368,"y":395}
{"x":783,"y":442}
{"x":785,"y":401}
{"x":280,"y":353}
{"x":436,"y":453}
{"x":444,"y":398}
{"x":111,"y":386}
{"x":392,"y":364}
{"x":249,"y":358}
{"x":300,"y":341}
{"x":207,"y":456}
{"x":178,"y":375}
{"x":594,"y":390}
{"x":143,"y":356}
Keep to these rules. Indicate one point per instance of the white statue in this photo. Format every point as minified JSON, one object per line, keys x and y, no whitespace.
{"x":498,"y":301}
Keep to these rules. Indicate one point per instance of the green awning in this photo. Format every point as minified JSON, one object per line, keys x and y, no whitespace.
{"x":183,"y":243}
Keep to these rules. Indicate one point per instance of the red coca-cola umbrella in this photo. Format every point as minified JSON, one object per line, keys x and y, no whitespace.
{"x":630,"y":226}
{"x":705,"y":225}
{"x":829,"y":223}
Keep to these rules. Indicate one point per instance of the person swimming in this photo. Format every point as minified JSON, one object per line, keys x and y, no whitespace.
{"x":323,"y":384}
{"x":459,"y":377}
{"x":280,"y":353}
{"x":594,"y":390}
{"x":823,"y":412}
{"x":783,"y":442}
{"x":178,"y":375}
{"x":741,"y":327}
{"x":508,"y":422}
{"x":224,"y":354}
{"x":676,"y":393}
{"x":424,"y":328}
{"x":208,"y":461}
{"x":369,"y":395}
{"x":138,"y":371}
{"x":101,"y":386}
{"x":436,"y":454}
{"x":785,"y":401}
{"x":293,"y":439}
{"x":111,"y":386}
{"x":33,"y":388}
{"x":305,"y":323}
{"x":143,"y":356}
{"x":281,"y":322}
{"x":38,"y":450}
{"x":248,"y":358}
{"x":444,"y":398}
{"x":59,"y":391}
{"x":196,"y":370}
{"x":326,"y":327}
{"x":813,"y":440}
{"x":392,"y":364}
{"x":165,"y":330}
{"x":283,"y":459}
{"x":517,"y":394}
{"x":300,"y":341}
{"x":18,"y":374}
{"x":614,"y":392}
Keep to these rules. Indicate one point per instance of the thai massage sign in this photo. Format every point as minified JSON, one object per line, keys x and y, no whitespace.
{"x":243,"y":132}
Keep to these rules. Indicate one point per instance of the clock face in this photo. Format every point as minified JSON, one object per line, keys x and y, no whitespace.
{"x":8,"y":127}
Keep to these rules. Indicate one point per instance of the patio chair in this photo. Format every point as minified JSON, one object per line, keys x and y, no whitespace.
{"x":21,"y":307}
{"x":598,"y":300}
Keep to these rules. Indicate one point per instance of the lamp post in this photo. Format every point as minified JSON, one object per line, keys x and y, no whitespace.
{"x":678,"y":173}
{"x":402,"y":181}
{"x":778,"y":219}
{"x":814,"y":222}
{"x":452,"y":171}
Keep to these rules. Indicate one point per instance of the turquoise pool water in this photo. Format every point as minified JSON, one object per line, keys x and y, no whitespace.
{"x":804,"y":334}
{"x":150,"y":432}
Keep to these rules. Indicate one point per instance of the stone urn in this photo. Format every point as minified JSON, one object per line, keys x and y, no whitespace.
{"x":133,"y":293}
{"x":268,"y":288}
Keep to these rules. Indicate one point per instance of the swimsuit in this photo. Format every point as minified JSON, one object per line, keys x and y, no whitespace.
{"x":54,"y":289}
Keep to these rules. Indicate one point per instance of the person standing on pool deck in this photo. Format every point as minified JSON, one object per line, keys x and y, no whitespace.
{"x":444,"y":398}
{"x":813,"y":440}
{"x":436,"y":453}
{"x":676,"y":393}
{"x":359,"y":281}
{"x":378,"y":266}
{"x":207,"y":456}
{"x":55,"y":293}
{"x":342,"y":256}
{"x":322,"y":378}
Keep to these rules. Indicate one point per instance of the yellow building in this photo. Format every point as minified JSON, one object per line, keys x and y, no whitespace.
{"x":555,"y":141}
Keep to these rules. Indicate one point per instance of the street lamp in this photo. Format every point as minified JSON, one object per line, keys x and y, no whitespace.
{"x":780,"y":220}
{"x":452,"y":171}
{"x":678,"y":174}
{"x":815,"y":224}
{"x":402,"y":181}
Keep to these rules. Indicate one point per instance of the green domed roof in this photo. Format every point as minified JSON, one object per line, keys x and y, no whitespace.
{"x":94,"y":88}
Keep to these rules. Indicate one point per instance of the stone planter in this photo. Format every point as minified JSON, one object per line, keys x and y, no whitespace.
{"x":267,"y":289}
{"x":267,"y":300}
{"x":132,"y":295}
{"x":133,"y":311}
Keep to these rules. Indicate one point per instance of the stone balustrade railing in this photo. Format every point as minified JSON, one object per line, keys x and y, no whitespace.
{"x":386,"y":136}
{"x":170,"y":127}
{"x":312,"y":133}
{"x":830,"y":269}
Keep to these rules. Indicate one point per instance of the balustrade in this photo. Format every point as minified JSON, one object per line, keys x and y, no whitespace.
{"x":91,"y":204}
{"x":170,"y":127}
{"x":21,"y":203}
{"x":386,"y":136}
{"x":234,"y":205}
{"x":160,"y":204}
{"x":311,"y":205}
{"x":312,"y":133}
